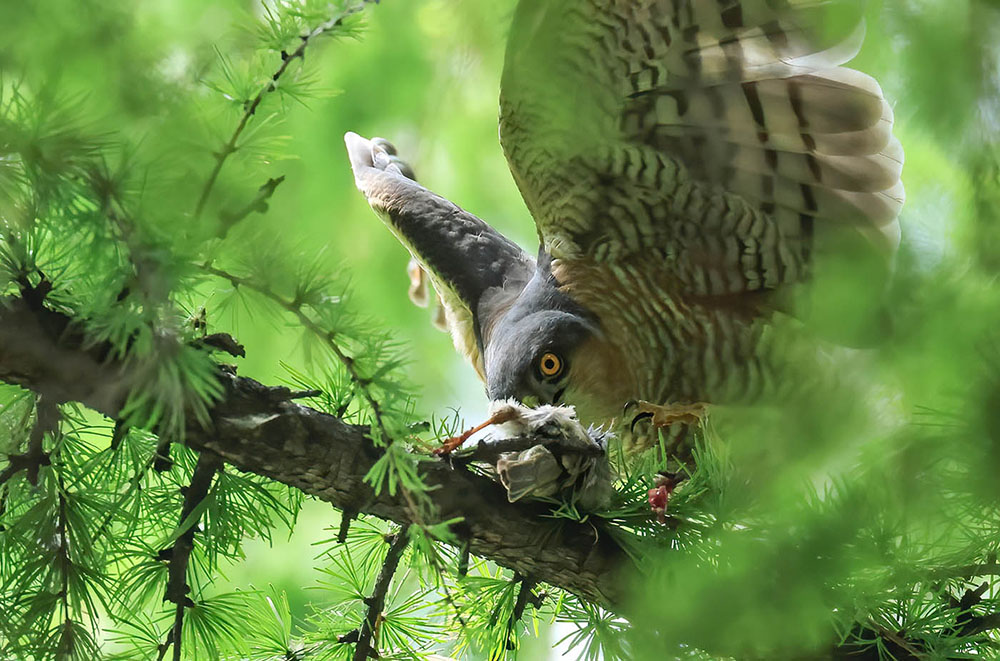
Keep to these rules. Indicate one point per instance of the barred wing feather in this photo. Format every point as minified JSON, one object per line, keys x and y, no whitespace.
{"x":725,"y":134}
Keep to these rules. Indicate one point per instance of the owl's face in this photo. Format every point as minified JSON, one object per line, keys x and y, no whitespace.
{"x":533,"y":360}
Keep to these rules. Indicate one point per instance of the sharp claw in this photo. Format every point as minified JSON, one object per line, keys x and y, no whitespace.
{"x":636,"y":419}
{"x":630,"y":404}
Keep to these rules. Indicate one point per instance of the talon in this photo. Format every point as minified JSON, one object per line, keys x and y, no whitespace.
{"x":630,"y":404}
{"x":666,"y":415}
{"x":639,"y":417}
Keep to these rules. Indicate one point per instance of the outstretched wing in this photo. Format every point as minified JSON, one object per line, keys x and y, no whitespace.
{"x":723,"y":133}
{"x":476,"y":271}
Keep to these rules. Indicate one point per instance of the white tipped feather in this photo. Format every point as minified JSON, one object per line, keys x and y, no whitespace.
{"x":860,"y":174}
{"x":818,"y":144}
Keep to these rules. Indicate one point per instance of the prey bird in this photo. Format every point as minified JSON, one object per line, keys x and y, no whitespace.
{"x":690,"y":165}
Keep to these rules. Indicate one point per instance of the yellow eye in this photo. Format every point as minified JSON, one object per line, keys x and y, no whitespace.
{"x":550,"y":365}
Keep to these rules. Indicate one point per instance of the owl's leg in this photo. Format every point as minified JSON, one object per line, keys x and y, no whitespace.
{"x":666,"y":414}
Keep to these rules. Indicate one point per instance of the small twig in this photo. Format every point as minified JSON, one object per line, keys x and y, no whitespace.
{"x":177,"y":587}
{"x":133,"y":485}
{"x":250,"y":109}
{"x":32,"y":460}
{"x":165,"y":645}
{"x":257,"y":205}
{"x":283,"y":394}
{"x":376,"y":602}
{"x":463,"y":560}
{"x":866,"y":647}
{"x":161,"y":456}
{"x":62,"y":555}
{"x":118,"y":435}
{"x":977,"y":624}
{"x":967,"y":571}
{"x":346,"y":516}
{"x":222,"y":342}
{"x":966,"y":622}
{"x":524,"y":595}
{"x":296,"y":309}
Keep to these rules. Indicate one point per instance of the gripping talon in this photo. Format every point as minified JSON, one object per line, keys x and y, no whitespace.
{"x":638,"y":418}
{"x":667,"y":414}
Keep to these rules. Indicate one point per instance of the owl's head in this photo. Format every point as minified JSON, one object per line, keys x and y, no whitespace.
{"x":532,"y":353}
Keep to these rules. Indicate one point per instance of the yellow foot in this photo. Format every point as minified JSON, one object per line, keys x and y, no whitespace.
{"x":666,"y":415}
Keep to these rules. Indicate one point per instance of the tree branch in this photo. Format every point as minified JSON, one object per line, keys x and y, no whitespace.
{"x":257,"y":429}
{"x":520,"y":602}
{"x":250,"y":107}
{"x":180,"y":553}
{"x":258,"y":204}
{"x":376,"y":602}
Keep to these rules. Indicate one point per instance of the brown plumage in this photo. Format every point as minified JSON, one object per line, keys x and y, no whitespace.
{"x":689,"y":164}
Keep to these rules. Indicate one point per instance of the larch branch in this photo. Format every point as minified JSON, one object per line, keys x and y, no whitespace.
{"x":257,"y":429}
{"x":250,"y":107}
{"x":376,"y":602}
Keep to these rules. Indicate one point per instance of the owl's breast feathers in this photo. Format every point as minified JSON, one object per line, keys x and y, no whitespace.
{"x":657,"y":343}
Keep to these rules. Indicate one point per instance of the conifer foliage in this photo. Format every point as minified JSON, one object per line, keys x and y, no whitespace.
{"x":141,"y":152}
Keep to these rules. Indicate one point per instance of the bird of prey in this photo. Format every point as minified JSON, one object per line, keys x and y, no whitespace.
{"x":689,"y":165}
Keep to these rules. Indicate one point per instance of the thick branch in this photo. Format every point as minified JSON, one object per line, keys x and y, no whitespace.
{"x":257,"y":429}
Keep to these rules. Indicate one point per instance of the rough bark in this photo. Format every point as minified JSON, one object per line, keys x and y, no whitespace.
{"x":256,"y":428}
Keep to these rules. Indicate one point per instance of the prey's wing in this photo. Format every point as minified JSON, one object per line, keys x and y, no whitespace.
{"x":722,"y":133}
